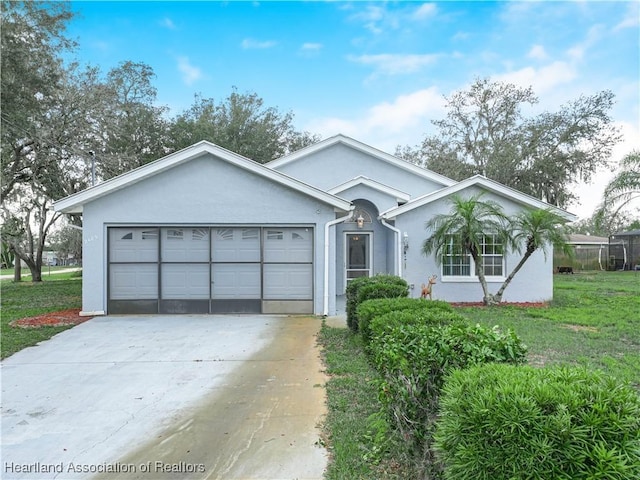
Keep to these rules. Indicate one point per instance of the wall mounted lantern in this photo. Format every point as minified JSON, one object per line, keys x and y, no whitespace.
{"x":360,"y":221}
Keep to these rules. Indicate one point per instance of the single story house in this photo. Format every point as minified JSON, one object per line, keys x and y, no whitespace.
{"x":205,"y":230}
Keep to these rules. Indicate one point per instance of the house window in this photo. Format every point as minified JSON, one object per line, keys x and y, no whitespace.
{"x":457,"y":263}
{"x":492,"y":256}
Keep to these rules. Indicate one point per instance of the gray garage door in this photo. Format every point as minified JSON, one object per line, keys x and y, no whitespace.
{"x":210,"y":270}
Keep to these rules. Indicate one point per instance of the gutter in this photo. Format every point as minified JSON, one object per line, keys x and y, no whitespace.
{"x":327,"y":226}
{"x":398,"y":244}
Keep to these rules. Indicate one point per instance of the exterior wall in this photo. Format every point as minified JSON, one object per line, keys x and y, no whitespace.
{"x":381,"y":200}
{"x":205,"y":191}
{"x":379,"y":238}
{"x":533,"y":283}
{"x":340,"y":163}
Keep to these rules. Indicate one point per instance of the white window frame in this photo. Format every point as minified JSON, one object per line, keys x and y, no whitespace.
{"x":472,"y":277}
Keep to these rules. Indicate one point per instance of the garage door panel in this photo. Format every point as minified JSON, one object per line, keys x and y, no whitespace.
{"x":235,"y":281}
{"x":185,"y":281}
{"x":185,"y":244}
{"x":236,"y":245}
{"x":288,"y":245}
{"x":133,"y":281}
{"x":287,"y":281}
{"x":133,"y":245}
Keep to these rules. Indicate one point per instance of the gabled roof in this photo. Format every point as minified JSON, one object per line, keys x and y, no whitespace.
{"x":74,"y":203}
{"x":484,"y":183}
{"x":401,"y":197}
{"x":362,"y":147}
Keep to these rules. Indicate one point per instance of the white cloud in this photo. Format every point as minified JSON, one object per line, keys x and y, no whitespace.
{"x":250,"y":43}
{"x":425,"y":10}
{"x":543,"y":79}
{"x":371,"y":16}
{"x":578,"y":51}
{"x":538,"y":52}
{"x":632,"y":18}
{"x":590,"y":195}
{"x":168,"y":23}
{"x":405,"y":120}
{"x":190,"y":73}
{"x":311,"y":47}
{"x":395,"y":64}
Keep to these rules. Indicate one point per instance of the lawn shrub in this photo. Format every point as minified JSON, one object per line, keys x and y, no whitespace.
{"x":365,"y":288}
{"x":413,"y":360}
{"x":501,"y":421}
{"x":377,"y":307}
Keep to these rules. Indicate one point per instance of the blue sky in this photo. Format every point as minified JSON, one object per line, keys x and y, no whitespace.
{"x":376,"y":71}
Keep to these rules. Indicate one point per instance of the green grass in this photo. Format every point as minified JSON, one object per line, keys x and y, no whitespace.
{"x":27,"y":299}
{"x":594,"y":320}
{"x":352,"y":398}
{"x":46,"y":270}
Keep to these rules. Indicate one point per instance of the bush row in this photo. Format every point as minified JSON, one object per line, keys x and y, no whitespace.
{"x":399,"y":310}
{"x":413,"y":344}
{"x":501,"y":422}
{"x":364,"y":288}
{"x":464,"y":414}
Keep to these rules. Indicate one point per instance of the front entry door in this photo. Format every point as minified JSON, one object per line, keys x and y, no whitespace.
{"x":358,"y":255}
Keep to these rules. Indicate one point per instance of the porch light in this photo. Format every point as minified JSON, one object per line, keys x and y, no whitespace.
{"x":405,"y":242}
{"x":360,"y":221}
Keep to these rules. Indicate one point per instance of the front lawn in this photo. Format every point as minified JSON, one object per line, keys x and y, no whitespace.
{"x":594,"y":320}
{"x":27,"y":299}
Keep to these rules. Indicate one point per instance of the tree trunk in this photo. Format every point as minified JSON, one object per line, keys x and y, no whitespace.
{"x":487,"y":298}
{"x":498,"y":295}
{"x":17,"y":270}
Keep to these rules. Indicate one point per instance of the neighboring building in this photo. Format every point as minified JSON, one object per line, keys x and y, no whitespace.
{"x":205,"y":230}
{"x":590,"y":253}
{"x":624,"y":251}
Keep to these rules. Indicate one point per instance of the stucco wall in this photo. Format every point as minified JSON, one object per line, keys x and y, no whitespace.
{"x":339,"y":163}
{"x":382,"y":201}
{"x":533,"y":283}
{"x":203,"y":191}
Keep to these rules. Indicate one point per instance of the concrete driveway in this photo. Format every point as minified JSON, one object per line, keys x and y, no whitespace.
{"x":164,"y":397}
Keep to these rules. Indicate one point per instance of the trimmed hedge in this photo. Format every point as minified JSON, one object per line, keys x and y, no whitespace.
{"x":505,"y":422}
{"x":365,"y":288}
{"x":413,"y":360}
{"x":370,"y":309}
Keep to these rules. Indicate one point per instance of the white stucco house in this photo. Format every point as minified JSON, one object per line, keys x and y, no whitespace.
{"x":205,"y":230}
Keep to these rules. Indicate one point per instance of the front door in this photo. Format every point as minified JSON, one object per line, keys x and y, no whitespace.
{"x":358,"y":255}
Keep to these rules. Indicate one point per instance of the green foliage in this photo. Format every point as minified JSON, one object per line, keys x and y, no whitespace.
{"x":485,"y":132}
{"x":370,"y":309}
{"x":6,"y":256}
{"x":413,"y":360}
{"x":366,"y":288}
{"x":506,"y":422}
{"x":241,"y":123}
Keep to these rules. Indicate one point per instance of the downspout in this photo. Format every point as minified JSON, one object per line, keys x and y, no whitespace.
{"x":327,"y":226}
{"x":398,"y":244}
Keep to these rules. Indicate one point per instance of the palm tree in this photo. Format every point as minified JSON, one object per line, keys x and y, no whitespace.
{"x":536,"y":229}
{"x":468,"y":221}
{"x":625,"y":186}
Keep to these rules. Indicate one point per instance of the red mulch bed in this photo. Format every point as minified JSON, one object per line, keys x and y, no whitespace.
{"x":52,"y":319}
{"x":504,"y":304}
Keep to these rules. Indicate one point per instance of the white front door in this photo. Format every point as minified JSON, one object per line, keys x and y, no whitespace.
{"x":357,"y":255}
